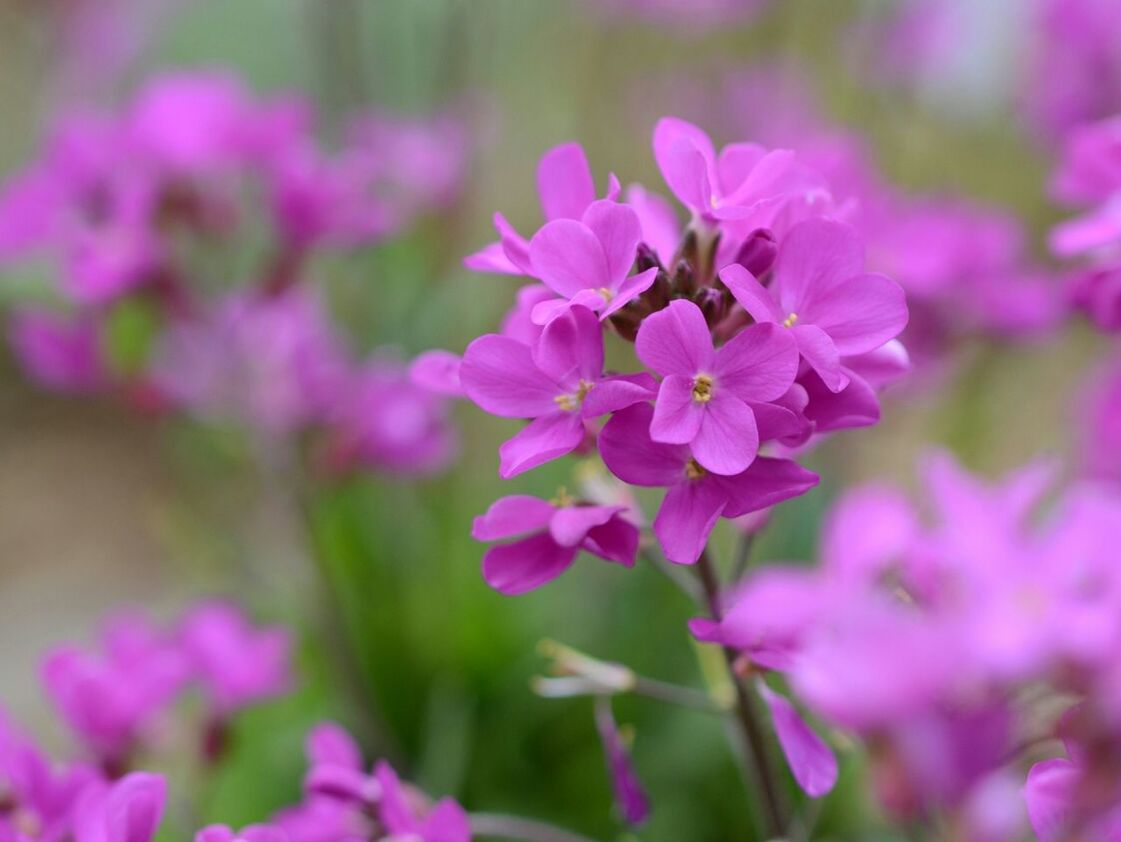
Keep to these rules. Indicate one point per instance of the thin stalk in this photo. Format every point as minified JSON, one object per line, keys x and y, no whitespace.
{"x":675,"y":574}
{"x":675,"y":694}
{"x":755,"y":742}
{"x":743,"y":556}
{"x":501,"y":826}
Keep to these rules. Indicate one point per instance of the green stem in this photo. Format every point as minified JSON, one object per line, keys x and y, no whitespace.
{"x":526,"y":830}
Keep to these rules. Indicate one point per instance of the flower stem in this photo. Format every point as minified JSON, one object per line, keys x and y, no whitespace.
{"x":676,"y":695}
{"x":526,"y":830}
{"x":755,"y":742}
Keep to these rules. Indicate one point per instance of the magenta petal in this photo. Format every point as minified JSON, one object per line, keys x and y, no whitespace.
{"x":527,"y":564}
{"x":685,"y":520}
{"x":571,"y":348}
{"x":766,"y":483}
{"x":735,"y":164}
{"x":545,"y":311}
{"x":661,"y":229}
{"x":616,"y":540}
{"x":759,"y":363}
{"x":498,"y":374}
{"x":618,"y":230}
{"x":330,"y":744}
{"x":675,"y":340}
{"x":814,"y":257}
{"x":570,"y":525}
{"x":810,"y":759}
{"x":513,"y":515}
{"x":438,"y":372}
{"x":751,"y":295}
{"x":614,"y":393}
{"x":1050,"y":792}
{"x":491,"y":258}
{"x":775,"y":174}
{"x":446,"y":822}
{"x":629,"y":453}
{"x":545,"y":439}
{"x":859,"y":314}
{"x":685,"y":156}
{"x":568,"y":258}
{"x":514,"y":245}
{"x":819,"y":351}
{"x":728,"y":439}
{"x":778,"y":422}
{"x":677,"y":416}
{"x":134,"y":807}
{"x":629,"y":290}
{"x":856,"y":405}
{"x":629,"y":796}
{"x":564,"y":182}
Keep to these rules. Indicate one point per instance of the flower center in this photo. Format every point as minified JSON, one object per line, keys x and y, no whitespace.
{"x":702,"y":388}
{"x":693,"y":470}
{"x":790,"y":320}
{"x":562,"y":499}
{"x":606,"y":293}
{"x":571,"y":402}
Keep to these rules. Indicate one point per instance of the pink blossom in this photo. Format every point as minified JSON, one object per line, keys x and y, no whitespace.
{"x":60,"y":353}
{"x":127,"y":811}
{"x":444,"y":821}
{"x":252,"y":833}
{"x":811,"y":760}
{"x":822,"y":294}
{"x":696,"y":498}
{"x":556,"y":533}
{"x":1099,"y":418}
{"x":629,"y":795}
{"x":706,"y":395}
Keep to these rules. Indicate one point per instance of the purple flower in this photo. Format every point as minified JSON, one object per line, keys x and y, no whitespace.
{"x":566,"y":187}
{"x":110,"y":699}
{"x":557,"y":532}
{"x":559,"y":383}
{"x":629,"y":795}
{"x":696,"y":498}
{"x":128,"y":811}
{"x":588,"y":261}
{"x":822,"y":294}
{"x":236,"y":662}
{"x":252,"y":833}
{"x":745,"y":184}
{"x":444,"y":821}
{"x":59,"y":353}
{"x":1099,"y":417}
{"x":706,"y":395}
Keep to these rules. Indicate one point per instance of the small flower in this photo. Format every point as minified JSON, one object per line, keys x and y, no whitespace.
{"x":557,"y":532}
{"x":130,"y":810}
{"x":706,"y":395}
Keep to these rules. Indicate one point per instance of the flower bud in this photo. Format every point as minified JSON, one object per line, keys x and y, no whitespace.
{"x":757,"y":254}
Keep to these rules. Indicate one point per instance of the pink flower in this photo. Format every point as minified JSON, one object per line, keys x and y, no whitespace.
{"x":706,"y":395}
{"x":559,"y":384}
{"x":253,"y":833}
{"x":696,"y":498}
{"x":128,"y":811}
{"x":557,"y":532}
{"x":58,"y":352}
{"x":1099,"y":418}
{"x":444,"y":821}
{"x":811,"y":760}
{"x":745,"y":183}
{"x":566,"y":188}
{"x":588,"y":261}
{"x":822,"y":294}
{"x":236,"y":662}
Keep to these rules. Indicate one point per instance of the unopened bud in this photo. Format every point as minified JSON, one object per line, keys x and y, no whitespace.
{"x":646,"y":258}
{"x":757,"y":254}
{"x":711,"y":302}
{"x":684,"y":281}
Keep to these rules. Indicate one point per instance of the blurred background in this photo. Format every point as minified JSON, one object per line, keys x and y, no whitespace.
{"x":400,"y":638}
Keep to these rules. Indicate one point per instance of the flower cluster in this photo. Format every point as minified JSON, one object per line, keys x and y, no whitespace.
{"x":114,"y":698}
{"x":143,"y":217}
{"x":756,"y":325}
{"x":111,"y":698}
{"x":957,"y":648}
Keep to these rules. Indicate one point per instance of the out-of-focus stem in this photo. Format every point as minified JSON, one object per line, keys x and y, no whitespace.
{"x":755,"y":742}
{"x":743,"y":556}
{"x":526,"y":830}
{"x":676,"y":695}
{"x":675,"y":574}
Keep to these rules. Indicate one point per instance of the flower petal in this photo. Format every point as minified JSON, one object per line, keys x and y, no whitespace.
{"x":570,"y":525}
{"x":728,"y":438}
{"x":616,"y":540}
{"x":571,"y":348}
{"x":759,"y":363}
{"x":677,"y":417}
{"x":767,"y":482}
{"x":618,"y":230}
{"x":630,"y":454}
{"x":810,"y":759}
{"x":688,"y":514}
{"x":568,"y":258}
{"x":498,"y":374}
{"x":614,"y":393}
{"x":1050,"y":792}
{"x":675,"y":340}
{"x":547,"y":438}
{"x":686,"y":158}
{"x":819,"y":351}
{"x":527,"y":564}
{"x":751,"y":295}
{"x":629,"y":290}
{"x":516,"y":514}
{"x":564,"y":182}
{"x":859,"y":314}
{"x":812,"y":258}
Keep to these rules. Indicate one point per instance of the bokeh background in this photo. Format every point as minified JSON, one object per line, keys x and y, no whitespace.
{"x":400,"y":638}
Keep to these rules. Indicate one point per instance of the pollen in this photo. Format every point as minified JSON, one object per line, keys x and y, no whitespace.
{"x":790,"y":320}
{"x":605,"y":293}
{"x":702,"y":388}
{"x":694,"y":470}
{"x":562,"y":499}
{"x":572,"y":401}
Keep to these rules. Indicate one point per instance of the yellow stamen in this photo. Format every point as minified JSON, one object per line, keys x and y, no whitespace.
{"x":702,"y":388}
{"x":790,"y":320}
{"x":562,"y":499}
{"x":605,"y":293}
{"x":693,"y":470}
{"x":572,"y":402}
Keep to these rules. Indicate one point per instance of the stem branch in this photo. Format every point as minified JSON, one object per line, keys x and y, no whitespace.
{"x":526,"y":830}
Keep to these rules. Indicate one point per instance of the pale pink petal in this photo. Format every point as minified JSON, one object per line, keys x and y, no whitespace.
{"x":810,"y":759}
{"x":330,"y":744}
{"x":677,"y":416}
{"x":819,"y":351}
{"x":544,"y":312}
{"x":859,"y":314}
{"x":1050,"y":793}
{"x":491,"y":258}
{"x":564,"y":182}
{"x":751,"y":295}
{"x":514,"y":245}
{"x":728,"y":439}
{"x":735,"y":164}
{"x":527,"y":564}
{"x":629,"y":290}
{"x":618,"y":230}
{"x":498,"y":374}
{"x":812,"y":258}
{"x":688,"y":514}
{"x":568,"y":258}
{"x":675,"y":340}
{"x":571,"y":348}
{"x":545,"y":439}
{"x":438,"y":372}
{"x":686,"y":158}
{"x":758,"y":364}
{"x":510,"y":516}
{"x":629,"y":453}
